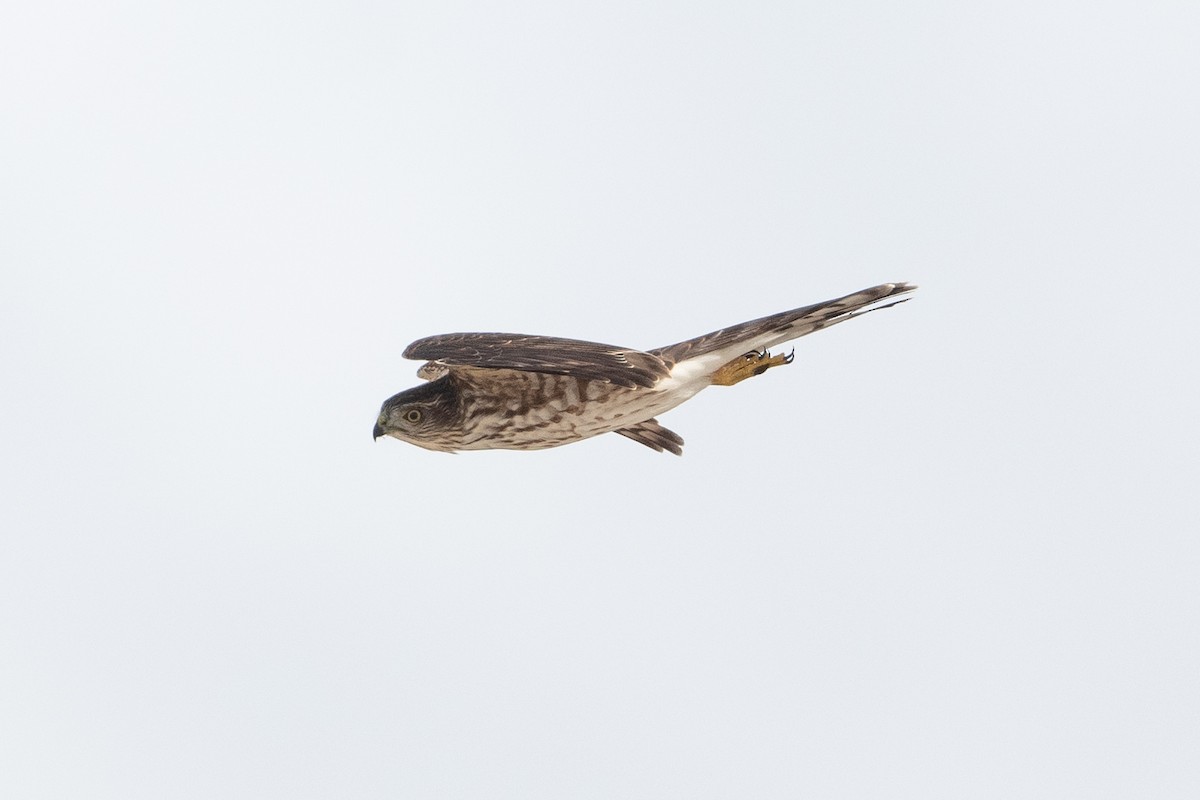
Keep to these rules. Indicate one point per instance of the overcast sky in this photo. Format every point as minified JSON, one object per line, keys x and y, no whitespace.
{"x":951,"y":552}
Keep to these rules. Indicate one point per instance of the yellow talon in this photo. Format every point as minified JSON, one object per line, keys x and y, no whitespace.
{"x":747,"y":366}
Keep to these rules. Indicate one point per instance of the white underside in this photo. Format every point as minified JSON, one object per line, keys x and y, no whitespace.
{"x":602,"y":409}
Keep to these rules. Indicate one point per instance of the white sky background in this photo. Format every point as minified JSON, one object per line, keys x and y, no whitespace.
{"x":950,"y":552}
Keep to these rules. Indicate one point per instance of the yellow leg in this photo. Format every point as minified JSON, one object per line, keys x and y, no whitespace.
{"x":756,"y":362}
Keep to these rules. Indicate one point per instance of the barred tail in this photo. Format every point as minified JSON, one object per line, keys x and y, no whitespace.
{"x":776,"y":329}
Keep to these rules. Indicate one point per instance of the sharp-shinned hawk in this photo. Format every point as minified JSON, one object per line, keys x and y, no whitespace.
{"x":517,"y":392}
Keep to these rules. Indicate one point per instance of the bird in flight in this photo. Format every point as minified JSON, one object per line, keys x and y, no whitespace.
{"x":517,"y":392}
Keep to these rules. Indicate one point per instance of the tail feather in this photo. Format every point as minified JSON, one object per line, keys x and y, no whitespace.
{"x":776,"y":329}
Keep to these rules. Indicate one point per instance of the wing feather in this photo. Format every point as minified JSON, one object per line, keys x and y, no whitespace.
{"x":654,"y":436}
{"x":587,"y":360}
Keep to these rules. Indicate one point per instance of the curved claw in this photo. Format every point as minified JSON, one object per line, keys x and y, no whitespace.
{"x":756,"y":362}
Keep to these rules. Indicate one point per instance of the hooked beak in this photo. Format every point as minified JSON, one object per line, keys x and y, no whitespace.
{"x":378,"y":430}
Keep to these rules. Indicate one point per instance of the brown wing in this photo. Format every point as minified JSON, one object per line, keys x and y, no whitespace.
{"x":778,"y":328}
{"x":587,"y":360}
{"x":654,"y":436}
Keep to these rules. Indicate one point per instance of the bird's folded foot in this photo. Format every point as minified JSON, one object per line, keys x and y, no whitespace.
{"x":756,"y":362}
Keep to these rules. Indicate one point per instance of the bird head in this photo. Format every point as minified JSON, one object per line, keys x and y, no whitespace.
{"x":424,"y":415}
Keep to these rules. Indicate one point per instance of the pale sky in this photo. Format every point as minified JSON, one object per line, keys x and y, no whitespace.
{"x":951,"y":552}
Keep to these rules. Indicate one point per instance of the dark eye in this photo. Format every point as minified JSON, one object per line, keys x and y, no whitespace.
{"x":412,"y":415}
